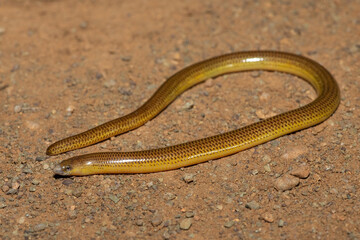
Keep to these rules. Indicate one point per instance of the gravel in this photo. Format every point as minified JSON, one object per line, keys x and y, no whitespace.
{"x":189,"y":177}
{"x":185,"y":224}
{"x":114,"y":198}
{"x":156,"y":221}
{"x":253,"y":205}
{"x":229,"y":224}
{"x":286,"y":182}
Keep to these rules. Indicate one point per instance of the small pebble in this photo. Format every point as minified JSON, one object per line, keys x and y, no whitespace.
{"x":185,"y":224}
{"x":188,"y":105}
{"x":2,"y":205}
{"x":110,"y":83}
{"x":156,"y":221}
{"x":264,"y":96}
{"x":255,"y":74}
{"x":12,"y":191}
{"x":334,"y":191}
{"x":5,"y":188}
{"x":32,"y":125}
{"x":114,"y":198}
{"x":266,"y":159}
{"x":268,"y":217}
{"x":189,"y":177}
{"x":166,"y":235}
{"x":189,"y":214}
{"x":83,"y":24}
{"x":15,"y":185}
{"x":229,"y":224}
{"x":17,"y":109}
{"x":27,"y":170}
{"x":169,"y":196}
{"x":2,"y":30}
{"x":301,"y":171}
{"x":139,"y":222}
{"x":40,"y":227}
{"x":46,"y":166}
{"x":126,"y":58}
{"x":32,"y":189}
{"x":67,"y":182}
{"x":98,"y":76}
{"x":39,"y":158}
{"x":35,"y":182}
{"x":286,"y":182}
{"x":21,"y":220}
{"x":281,"y":223}
{"x":72,"y":214}
{"x":69,"y":110}
{"x":77,"y":192}
{"x":267,"y":168}
{"x":253,"y":205}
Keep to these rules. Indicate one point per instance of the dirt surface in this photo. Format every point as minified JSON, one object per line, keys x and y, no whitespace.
{"x":66,"y":66}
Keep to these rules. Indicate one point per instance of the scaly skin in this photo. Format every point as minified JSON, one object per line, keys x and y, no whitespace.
{"x":201,"y":150}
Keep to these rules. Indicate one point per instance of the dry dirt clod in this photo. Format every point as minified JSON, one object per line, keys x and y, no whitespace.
{"x":286,"y":182}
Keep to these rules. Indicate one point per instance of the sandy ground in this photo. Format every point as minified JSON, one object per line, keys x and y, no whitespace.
{"x":66,"y":66}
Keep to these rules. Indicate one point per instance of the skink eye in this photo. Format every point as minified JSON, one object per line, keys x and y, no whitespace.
{"x":67,"y":168}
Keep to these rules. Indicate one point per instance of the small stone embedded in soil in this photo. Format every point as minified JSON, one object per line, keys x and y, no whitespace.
{"x":334,"y":191}
{"x":98,"y":76}
{"x":32,"y":189}
{"x":32,"y":125}
{"x":72,"y":214}
{"x":69,"y":110}
{"x":67,"y":182}
{"x":253,"y":205}
{"x":156,"y":221}
{"x":40,"y":227}
{"x":189,"y":214}
{"x":281,"y":223}
{"x":189,"y":177}
{"x":110,"y":83}
{"x":169,"y":196}
{"x":114,"y":198}
{"x":188,"y":105}
{"x":166,"y":235}
{"x":286,"y":182}
{"x":301,"y":171}
{"x":39,"y":158}
{"x":267,"y":168}
{"x":2,"y":205}
{"x":268,"y":217}
{"x":139,"y":222}
{"x":255,"y":74}
{"x":229,"y":224}
{"x":2,"y":30}
{"x":27,"y":170}
{"x":185,"y":224}
{"x":12,"y":192}
{"x":17,"y":109}
{"x":21,"y":220}
{"x":77,"y":192}
{"x":126,"y":58}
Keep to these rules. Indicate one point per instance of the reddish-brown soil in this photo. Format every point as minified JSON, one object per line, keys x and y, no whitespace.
{"x":66,"y":66}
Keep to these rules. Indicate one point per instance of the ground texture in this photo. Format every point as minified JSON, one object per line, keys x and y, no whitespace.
{"x":66,"y":66}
